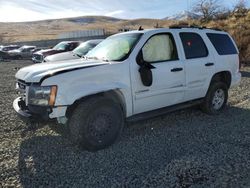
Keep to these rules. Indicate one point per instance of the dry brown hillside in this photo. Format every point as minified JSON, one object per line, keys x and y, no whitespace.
{"x":50,"y":29}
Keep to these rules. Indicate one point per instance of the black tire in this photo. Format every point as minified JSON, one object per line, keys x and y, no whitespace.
{"x":96,"y":123}
{"x":213,"y":105}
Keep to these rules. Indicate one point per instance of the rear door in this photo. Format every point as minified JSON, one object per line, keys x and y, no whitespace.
{"x":227,"y":54}
{"x":199,"y":64}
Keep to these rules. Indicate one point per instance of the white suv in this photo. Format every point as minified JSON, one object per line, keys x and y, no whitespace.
{"x":131,"y":76}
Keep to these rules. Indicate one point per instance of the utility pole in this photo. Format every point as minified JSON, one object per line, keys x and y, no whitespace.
{"x":188,"y":9}
{"x":188,"y":5}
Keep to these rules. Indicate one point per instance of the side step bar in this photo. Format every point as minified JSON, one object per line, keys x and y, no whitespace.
{"x":163,"y":111}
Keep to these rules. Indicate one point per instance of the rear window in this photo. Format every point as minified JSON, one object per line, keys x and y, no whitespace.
{"x":194,"y":46}
{"x":222,"y":43}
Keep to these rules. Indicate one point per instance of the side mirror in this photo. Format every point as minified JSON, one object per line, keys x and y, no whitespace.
{"x":145,"y":70}
{"x":139,"y":58}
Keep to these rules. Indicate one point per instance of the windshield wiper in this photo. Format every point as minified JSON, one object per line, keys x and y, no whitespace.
{"x":95,"y":58}
{"x":78,"y":55}
{"x":105,"y":59}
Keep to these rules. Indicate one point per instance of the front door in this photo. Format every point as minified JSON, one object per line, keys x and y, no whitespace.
{"x":168,"y":75}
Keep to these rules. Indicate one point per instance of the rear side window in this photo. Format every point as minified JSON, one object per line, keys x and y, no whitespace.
{"x":194,"y":46}
{"x":222,"y":43}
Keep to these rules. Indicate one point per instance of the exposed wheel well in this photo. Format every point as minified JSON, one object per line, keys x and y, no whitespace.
{"x":224,"y":76}
{"x":114,"y":95}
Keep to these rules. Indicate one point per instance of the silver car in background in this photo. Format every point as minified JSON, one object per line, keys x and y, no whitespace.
{"x":25,"y":52}
{"x":77,"y":53}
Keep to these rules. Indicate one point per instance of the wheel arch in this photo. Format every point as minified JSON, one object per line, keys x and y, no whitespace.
{"x":114,"y":94}
{"x":223,"y":76}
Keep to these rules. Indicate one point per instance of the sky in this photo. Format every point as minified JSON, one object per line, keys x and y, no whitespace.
{"x":31,"y":10}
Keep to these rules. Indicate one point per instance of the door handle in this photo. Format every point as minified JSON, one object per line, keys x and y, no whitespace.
{"x":176,"y":69}
{"x":209,"y":64}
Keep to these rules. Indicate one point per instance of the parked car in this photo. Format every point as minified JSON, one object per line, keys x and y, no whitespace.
{"x":131,"y":76}
{"x":4,"y":55}
{"x":9,"y":47}
{"x":65,"y":46}
{"x":37,"y":49}
{"x":77,"y":53}
{"x":24,"y":52}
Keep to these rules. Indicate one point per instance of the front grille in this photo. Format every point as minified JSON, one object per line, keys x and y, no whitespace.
{"x":22,"y":89}
{"x":37,"y":57}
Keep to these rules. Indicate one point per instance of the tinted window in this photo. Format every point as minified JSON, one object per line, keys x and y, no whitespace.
{"x":222,"y":43}
{"x":194,"y":46}
{"x":159,"y":48}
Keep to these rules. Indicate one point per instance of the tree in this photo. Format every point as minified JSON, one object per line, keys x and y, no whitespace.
{"x":240,"y":9}
{"x":209,"y":9}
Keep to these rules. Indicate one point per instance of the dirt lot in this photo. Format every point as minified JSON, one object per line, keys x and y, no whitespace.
{"x":181,"y":149}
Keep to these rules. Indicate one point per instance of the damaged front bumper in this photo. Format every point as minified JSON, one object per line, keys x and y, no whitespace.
{"x":39,"y":113}
{"x":31,"y":112}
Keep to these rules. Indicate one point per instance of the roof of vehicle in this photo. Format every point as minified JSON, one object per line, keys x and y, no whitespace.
{"x":12,"y":45}
{"x":70,"y":42}
{"x":25,"y":46}
{"x":183,"y":28}
{"x":95,"y":41}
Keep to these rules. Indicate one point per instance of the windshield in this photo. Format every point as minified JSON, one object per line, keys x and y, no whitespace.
{"x":84,"y":48}
{"x":115,"y":48}
{"x":21,"y":49}
{"x":61,"y":46}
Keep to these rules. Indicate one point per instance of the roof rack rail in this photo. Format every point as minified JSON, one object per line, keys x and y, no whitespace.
{"x":140,"y":28}
{"x":186,"y":26}
{"x":193,"y":27}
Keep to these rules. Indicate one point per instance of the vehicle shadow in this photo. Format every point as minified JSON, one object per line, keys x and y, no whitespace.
{"x":179,"y":149}
{"x":245,"y":74}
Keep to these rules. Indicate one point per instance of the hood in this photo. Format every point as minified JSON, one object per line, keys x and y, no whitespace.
{"x":61,"y":56}
{"x":35,"y":73}
{"x":14,"y":51}
{"x":47,"y":52}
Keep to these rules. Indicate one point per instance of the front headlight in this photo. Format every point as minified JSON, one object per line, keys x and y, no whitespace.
{"x":42,"y":95}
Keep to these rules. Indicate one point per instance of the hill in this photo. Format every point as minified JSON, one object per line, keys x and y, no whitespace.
{"x":50,"y":29}
{"x":184,"y":15}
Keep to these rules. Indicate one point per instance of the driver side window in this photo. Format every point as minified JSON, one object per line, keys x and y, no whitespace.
{"x":159,"y":48}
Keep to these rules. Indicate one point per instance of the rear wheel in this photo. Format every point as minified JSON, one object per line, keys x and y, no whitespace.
{"x":96,"y":123}
{"x":216,"y":98}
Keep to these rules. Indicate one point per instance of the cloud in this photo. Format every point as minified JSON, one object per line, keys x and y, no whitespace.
{"x":115,"y":13}
{"x":18,"y":14}
{"x":29,"y":10}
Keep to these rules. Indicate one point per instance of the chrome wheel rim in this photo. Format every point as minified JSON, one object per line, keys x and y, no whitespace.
{"x":218,"y":99}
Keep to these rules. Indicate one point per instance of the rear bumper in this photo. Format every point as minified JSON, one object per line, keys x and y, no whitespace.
{"x":31,"y":113}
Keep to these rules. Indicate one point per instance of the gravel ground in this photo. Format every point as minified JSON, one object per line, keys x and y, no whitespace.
{"x":181,"y":149}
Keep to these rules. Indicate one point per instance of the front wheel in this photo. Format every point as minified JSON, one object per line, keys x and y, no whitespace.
{"x":216,"y":98}
{"x":96,"y":123}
